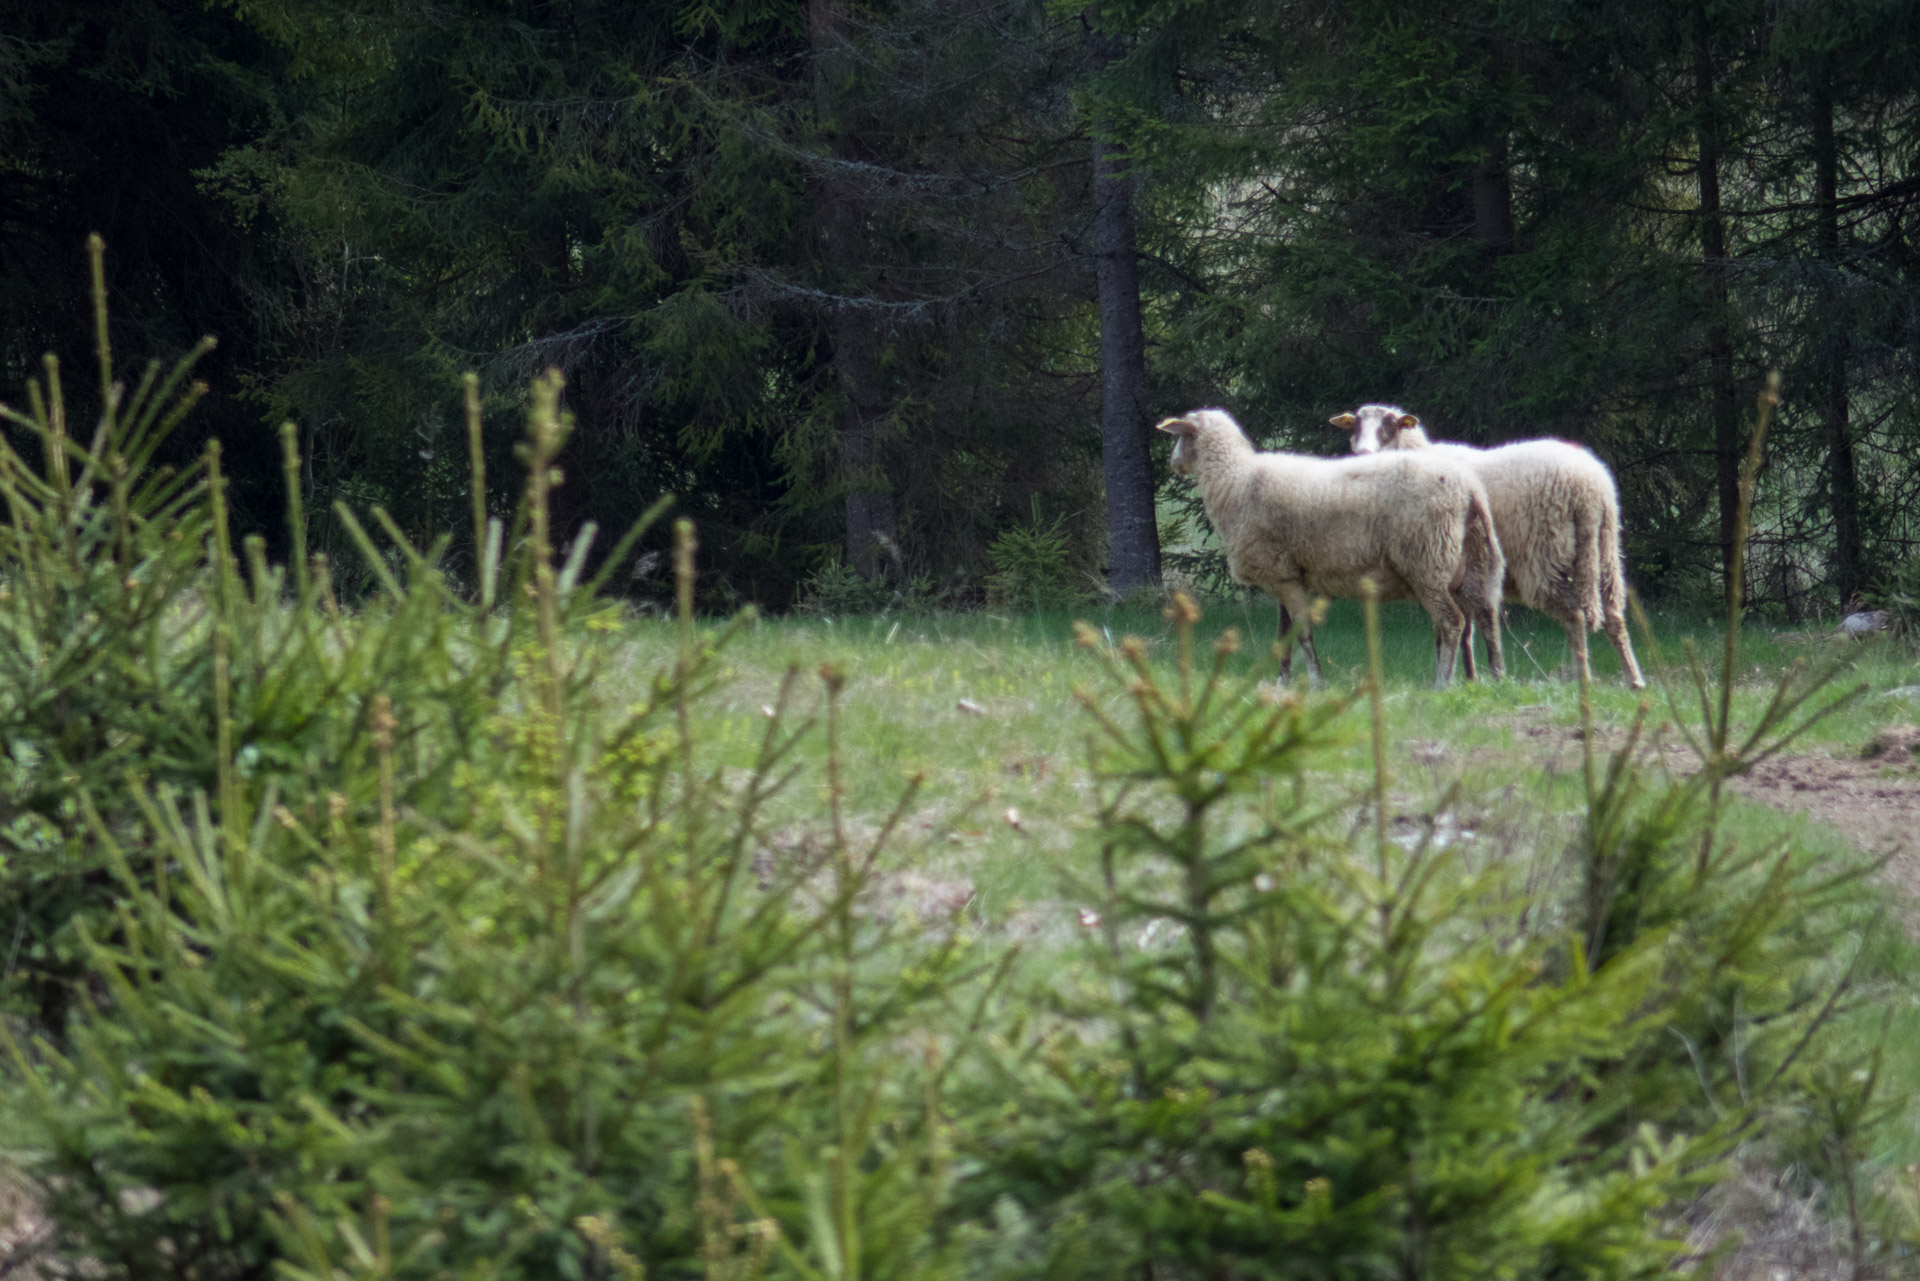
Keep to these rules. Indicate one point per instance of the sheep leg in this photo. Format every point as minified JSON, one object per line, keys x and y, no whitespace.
{"x":1294,"y":606}
{"x":1482,"y":620}
{"x":1314,"y":679}
{"x":1489,"y":629}
{"x":1286,"y":645}
{"x":1448,"y":623}
{"x":1577,"y":637}
{"x":1613,"y":595}
{"x":1483,"y":617}
{"x":1616,"y":625}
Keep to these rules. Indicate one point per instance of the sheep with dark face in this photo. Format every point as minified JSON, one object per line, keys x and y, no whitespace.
{"x":1296,"y":527}
{"x":1557,"y":514}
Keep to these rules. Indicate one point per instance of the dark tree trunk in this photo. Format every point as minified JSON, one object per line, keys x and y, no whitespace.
{"x":1843,"y":482}
{"x":1713,"y":254}
{"x":871,"y":528}
{"x":1133,"y":535}
{"x":1493,"y":201}
{"x":872,"y":534}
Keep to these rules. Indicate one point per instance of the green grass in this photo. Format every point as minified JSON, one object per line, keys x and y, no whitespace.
{"x":908,"y":674}
{"x":1504,"y":746}
{"x":1501,"y":758}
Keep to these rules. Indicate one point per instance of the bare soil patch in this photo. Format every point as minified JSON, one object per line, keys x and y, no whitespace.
{"x":1869,"y":795}
{"x":1872,"y":800}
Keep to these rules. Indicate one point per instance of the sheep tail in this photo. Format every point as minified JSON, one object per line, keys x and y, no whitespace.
{"x":1485,"y":562}
{"x":1589,"y":563}
{"x":1612,"y":578}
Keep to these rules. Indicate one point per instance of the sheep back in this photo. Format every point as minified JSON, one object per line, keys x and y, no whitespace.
{"x":1558,"y":513}
{"x":1331,"y":523}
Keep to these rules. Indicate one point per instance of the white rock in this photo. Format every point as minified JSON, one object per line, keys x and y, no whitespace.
{"x":1865,"y":622}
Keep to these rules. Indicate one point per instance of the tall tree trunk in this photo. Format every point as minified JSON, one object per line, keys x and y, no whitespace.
{"x":1133,"y":535}
{"x":1843,"y":482}
{"x":1713,"y":254}
{"x":872,"y":530}
{"x":1493,"y":201}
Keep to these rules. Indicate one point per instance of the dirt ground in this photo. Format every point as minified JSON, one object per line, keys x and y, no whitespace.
{"x":1871,"y":797}
{"x":1869,"y":794}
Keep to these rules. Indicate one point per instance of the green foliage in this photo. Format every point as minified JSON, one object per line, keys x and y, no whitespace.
{"x":1032,"y":565}
{"x":483,"y":980}
{"x":104,"y":667}
{"x":1900,"y":594}
{"x":835,"y":590}
{"x":134,"y":119}
{"x":143,"y":647}
{"x":496,"y":1046}
{"x":468,"y":951}
{"x":1306,"y":1054}
{"x":791,"y":255}
{"x":1325,"y":1060}
{"x":1755,"y":934}
{"x":1472,"y":211}
{"x":650,"y":198}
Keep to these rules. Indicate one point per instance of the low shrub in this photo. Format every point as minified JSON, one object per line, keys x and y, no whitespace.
{"x":1032,"y":566}
{"x":1309,"y":1054}
{"x":835,"y":591}
{"x":481,"y":991}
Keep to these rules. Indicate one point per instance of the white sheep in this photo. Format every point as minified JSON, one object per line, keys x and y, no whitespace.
{"x":1558,"y":517}
{"x":1297,"y":526}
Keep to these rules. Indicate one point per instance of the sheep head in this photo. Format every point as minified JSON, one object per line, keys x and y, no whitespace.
{"x":1374,"y":427}
{"x":1222,"y":433}
{"x":1183,"y":430}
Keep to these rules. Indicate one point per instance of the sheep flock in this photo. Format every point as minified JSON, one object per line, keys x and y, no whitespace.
{"x":1297,"y":526}
{"x":1458,"y":528}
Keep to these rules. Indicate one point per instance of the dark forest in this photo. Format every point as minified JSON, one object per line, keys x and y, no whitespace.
{"x":875,"y":288}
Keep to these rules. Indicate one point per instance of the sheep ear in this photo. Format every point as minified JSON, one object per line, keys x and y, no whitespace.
{"x":1408,"y":422}
{"x":1345,"y":422}
{"x":1177,"y":426}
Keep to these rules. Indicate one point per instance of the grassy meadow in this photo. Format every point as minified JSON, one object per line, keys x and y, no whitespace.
{"x":983,"y":705}
{"x":489,"y":929}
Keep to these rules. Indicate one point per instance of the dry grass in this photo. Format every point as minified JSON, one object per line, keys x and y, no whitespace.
{"x":24,"y":1231}
{"x":1755,"y":1226}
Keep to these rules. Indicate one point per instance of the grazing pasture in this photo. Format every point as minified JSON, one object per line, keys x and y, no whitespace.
{"x":490,"y":928}
{"x":983,"y":701}
{"x":984,"y":706}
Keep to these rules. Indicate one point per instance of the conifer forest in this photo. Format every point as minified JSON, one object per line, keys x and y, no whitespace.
{"x":869,"y":286}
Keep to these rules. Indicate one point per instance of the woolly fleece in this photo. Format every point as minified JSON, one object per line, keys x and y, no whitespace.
{"x":1557,"y":512}
{"x":1298,"y":527}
